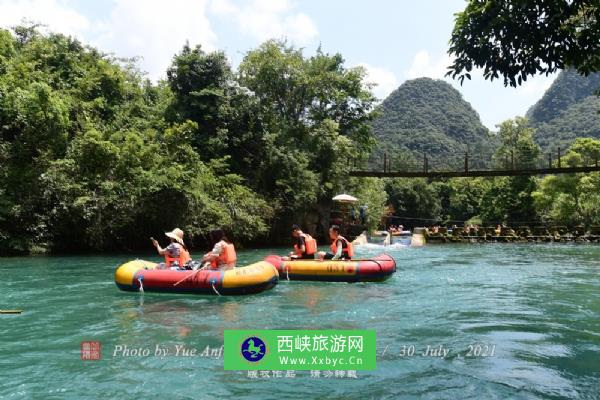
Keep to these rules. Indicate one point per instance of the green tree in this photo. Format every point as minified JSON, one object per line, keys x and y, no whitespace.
{"x":370,"y":192}
{"x":517,"y":148}
{"x":572,"y":198}
{"x":314,"y":121}
{"x":202,"y":84}
{"x":515,"y":39}
{"x":509,"y":200}
{"x":89,"y":159}
{"x":585,"y":151}
{"x":414,"y":199}
{"x":109,"y":188}
{"x":466,"y":197}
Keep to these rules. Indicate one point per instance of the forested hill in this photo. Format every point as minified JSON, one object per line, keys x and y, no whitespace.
{"x":426,"y":116}
{"x":568,"y":110}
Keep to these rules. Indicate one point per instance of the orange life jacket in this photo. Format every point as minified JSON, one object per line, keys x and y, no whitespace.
{"x":347,"y":249}
{"x":310,"y":246}
{"x":227,"y":257}
{"x":184,"y":256}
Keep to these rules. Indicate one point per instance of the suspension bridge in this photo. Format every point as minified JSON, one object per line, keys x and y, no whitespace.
{"x":511,"y":169}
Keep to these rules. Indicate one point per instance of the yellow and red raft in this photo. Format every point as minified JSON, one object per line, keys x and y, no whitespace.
{"x":377,"y":268}
{"x":139,"y":275}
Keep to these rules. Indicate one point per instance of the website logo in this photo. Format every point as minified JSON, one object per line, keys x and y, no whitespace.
{"x":300,"y":349}
{"x":253,"y":349}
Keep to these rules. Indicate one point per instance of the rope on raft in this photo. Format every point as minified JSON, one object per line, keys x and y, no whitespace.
{"x":215,"y":289}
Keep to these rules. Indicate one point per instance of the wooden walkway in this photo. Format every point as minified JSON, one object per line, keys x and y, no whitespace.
{"x":475,"y":173}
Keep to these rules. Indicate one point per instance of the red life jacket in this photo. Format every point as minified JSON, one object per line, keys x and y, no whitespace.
{"x":347,"y":249}
{"x":310,"y":246}
{"x":228,"y":257}
{"x":184,"y":256}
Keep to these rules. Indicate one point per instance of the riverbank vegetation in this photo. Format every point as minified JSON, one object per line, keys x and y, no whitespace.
{"x":93,"y":156}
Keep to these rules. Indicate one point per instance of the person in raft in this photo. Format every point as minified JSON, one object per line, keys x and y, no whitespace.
{"x":176,"y":254}
{"x":222,"y":255}
{"x":305,"y":246}
{"x":341,"y":248}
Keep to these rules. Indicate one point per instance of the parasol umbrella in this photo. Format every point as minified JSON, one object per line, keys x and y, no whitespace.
{"x":345,"y":198}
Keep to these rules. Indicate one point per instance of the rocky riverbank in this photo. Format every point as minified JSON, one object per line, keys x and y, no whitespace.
{"x":540,"y":234}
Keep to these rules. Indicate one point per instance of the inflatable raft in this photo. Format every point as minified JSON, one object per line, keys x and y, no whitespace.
{"x":141,"y":275}
{"x":376,"y":269}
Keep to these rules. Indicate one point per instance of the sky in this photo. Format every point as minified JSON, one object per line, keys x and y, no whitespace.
{"x":394,"y":40}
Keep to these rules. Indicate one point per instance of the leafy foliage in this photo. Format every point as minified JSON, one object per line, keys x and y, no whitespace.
{"x":370,"y":192}
{"x":89,"y":160}
{"x":314,"y":118}
{"x":92,"y":156}
{"x":415,"y":199}
{"x":517,"y":148}
{"x":573,"y":198}
{"x":515,"y":39}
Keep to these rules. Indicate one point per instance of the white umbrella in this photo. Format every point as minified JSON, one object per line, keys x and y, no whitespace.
{"x":345,"y":198}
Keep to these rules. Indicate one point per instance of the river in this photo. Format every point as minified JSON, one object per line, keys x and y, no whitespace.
{"x":533,"y":311}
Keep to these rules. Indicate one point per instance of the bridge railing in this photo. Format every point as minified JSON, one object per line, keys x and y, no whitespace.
{"x":471,"y":164}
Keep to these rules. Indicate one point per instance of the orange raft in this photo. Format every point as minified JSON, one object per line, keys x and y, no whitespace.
{"x":139,"y":275}
{"x":378,"y":268}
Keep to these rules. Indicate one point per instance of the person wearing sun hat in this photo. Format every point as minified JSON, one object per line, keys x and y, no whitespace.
{"x":176,"y":254}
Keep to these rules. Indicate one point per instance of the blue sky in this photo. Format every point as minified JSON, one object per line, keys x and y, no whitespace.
{"x":393,"y":40}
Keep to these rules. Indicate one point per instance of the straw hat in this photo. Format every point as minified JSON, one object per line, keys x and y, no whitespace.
{"x":176,"y":234}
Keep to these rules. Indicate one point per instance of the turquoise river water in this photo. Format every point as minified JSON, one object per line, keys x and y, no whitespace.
{"x":535,"y":308}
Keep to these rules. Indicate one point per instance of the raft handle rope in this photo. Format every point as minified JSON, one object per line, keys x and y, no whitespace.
{"x":379,"y":264}
{"x":212,"y":283}
{"x":395,"y":265}
{"x":141,"y":281}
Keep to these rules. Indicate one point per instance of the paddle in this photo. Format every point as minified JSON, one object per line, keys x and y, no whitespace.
{"x":11,"y":311}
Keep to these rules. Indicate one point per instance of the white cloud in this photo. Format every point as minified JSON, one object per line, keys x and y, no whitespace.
{"x":268,"y":19}
{"x":57,"y":15}
{"x":385,"y":80}
{"x":425,"y":66}
{"x":155,"y":30}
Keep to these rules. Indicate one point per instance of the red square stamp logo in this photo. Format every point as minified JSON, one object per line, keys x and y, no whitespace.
{"x":90,"y":350}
